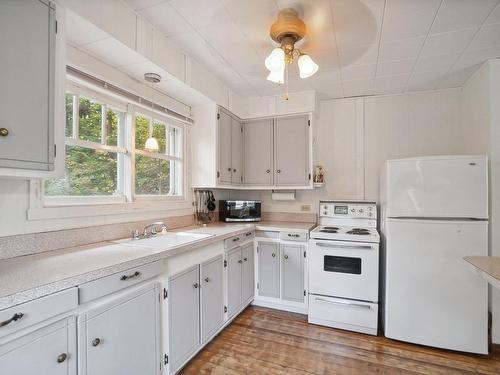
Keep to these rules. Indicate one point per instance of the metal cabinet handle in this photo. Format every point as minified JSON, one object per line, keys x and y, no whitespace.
{"x":240,"y":261}
{"x":286,"y":256}
{"x":245,"y":259}
{"x":195,"y":285}
{"x":273,"y":255}
{"x":15,"y":318}
{"x":96,"y":341}
{"x":207,"y":279}
{"x":61,"y":357}
{"x":127,"y":277}
{"x":278,"y":170}
{"x":248,"y":234}
{"x":236,"y":239}
{"x":293,"y":235}
{"x":4,"y":132}
{"x":268,"y":171}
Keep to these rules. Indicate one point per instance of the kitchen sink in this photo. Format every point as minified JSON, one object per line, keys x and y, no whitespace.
{"x":164,"y":241}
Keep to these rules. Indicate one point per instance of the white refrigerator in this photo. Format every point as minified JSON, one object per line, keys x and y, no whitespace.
{"x":434,"y":211}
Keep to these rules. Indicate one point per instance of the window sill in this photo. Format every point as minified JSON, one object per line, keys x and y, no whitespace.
{"x":179,"y":206}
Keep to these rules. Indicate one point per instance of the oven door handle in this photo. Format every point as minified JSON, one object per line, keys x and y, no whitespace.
{"x":343,"y":303}
{"x":335,"y":246}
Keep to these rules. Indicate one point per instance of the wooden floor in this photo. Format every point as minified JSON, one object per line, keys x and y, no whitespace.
{"x":271,"y":342}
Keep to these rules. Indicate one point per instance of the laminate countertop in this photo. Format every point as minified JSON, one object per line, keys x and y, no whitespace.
{"x":487,"y":267}
{"x":29,"y":277}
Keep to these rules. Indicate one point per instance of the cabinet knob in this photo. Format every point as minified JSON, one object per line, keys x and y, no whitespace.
{"x":96,"y":341}
{"x":195,"y":285}
{"x":245,"y":259}
{"x":278,"y":171}
{"x":234,"y":170}
{"x":268,"y":171}
{"x":273,"y":255}
{"x":61,"y":357}
{"x":4,"y":132}
{"x":229,"y":169}
{"x":240,"y":261}
{"x":286,"y":256}
{"x":207,"y":279}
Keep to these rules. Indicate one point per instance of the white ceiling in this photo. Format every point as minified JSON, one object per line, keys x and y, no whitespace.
{"x":363,"y":47}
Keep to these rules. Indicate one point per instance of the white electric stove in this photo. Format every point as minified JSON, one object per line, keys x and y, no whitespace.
{"x":344,"y":267}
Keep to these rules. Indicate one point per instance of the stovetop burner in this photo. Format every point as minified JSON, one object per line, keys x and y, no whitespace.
{"x":331,"y":228}
{"x":359,"y":231}
{"x":325,"y":230}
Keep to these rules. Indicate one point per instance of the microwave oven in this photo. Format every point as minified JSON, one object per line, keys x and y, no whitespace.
{"x":236,"y":210}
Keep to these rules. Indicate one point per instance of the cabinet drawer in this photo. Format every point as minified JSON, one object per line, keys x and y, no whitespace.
{"x":341,"y":313}
{"x":293,"y":236}
{"x":113,"y":283}
{"x":266,"y":234}
{"x":38,"y":310}
{"x":234,"y":241}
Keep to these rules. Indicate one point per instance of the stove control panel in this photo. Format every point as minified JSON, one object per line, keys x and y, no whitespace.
{"x":365,"y":210}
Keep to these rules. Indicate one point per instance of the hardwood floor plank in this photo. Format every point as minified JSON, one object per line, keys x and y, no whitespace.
{"x":271,"y":342}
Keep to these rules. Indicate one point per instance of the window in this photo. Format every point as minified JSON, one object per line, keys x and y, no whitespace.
{"x":105,"y":157}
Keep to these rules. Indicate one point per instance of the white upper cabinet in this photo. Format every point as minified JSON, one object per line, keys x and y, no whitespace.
{"x":270,"y":153}
{"x":291,"y":151}
{"x":27,"y":93}
{"x":258,"y":146}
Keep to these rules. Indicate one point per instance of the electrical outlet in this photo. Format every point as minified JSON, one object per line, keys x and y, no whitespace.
{"x":305,"y":207}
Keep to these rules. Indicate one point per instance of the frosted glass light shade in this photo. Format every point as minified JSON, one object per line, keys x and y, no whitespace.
{"x":277,"y":76}
{"x":276,"y":60}
{"x":151,"y":145}
{"x":307,"y":67}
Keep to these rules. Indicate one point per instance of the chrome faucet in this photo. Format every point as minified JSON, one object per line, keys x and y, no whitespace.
{"x":154,"y":230}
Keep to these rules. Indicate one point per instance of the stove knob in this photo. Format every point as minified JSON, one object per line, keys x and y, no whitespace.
{"x":370,"y":214}
{"x":325,"y":213}
{"x":353,"y":210}
{"x":361,"y":210}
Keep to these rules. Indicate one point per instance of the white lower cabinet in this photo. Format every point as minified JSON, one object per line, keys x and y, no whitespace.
{"x":240,"y":278}
{"x":121,"y":336}
{"x":50,"y":350}
{"x":195,"y":309}
{"x":281,"y":272}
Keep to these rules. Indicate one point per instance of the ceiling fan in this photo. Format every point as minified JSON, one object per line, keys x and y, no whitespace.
{"x":287,"y":30}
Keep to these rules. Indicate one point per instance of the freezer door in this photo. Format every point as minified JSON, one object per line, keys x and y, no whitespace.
{"x":432,"y":297}
{"x":445,"y":187}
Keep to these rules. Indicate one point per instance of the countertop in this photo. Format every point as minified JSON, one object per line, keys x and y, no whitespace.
{"x":28,"y":277}
{"x":487,"y":267}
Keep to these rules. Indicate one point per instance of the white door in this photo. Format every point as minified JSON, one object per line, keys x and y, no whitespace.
{"x":347,"y":270}
{"x":212,"y":297}
{"x":225,"y":168}
{"x":247,"y":273}
{"x":124,"y":330}
{"x":48,"y":351}
{"x":432,"y":297}
{"x":234,"y":263}
{"x":258,"y":160}
{"x":448,"y":186}
{"x":291,"y":151}
{"x":236,"y":151}
{"x":292,"y":272}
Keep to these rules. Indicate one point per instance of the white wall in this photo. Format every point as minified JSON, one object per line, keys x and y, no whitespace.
{"x":481,"y":116}
{"x":355,"y":136}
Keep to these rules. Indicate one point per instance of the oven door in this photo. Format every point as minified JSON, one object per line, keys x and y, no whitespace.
{"x":344,"y":269}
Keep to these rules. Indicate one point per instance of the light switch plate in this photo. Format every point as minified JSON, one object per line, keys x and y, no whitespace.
{"x":305,"y":207}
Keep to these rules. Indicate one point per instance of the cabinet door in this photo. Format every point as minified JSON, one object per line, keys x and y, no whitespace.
{"x":122,"y":339}
{"x":247,"y":273}
{"x":49,"y":351}
{"x":225,"y":168}
{"x":258,"y":153}
{"x":292,"y":272}
{"x":237,"y":151}
{"x":233,"y":281}
{"x":291,"y":151}
{"x":184,"y":316}
{"x":212,"y":297}
{"x":27,"y":76}
{"x":269,"y":269}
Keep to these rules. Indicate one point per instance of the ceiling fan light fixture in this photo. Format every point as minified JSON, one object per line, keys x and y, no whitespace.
{"x":277,"y":76}
{"x":307,"y":67}
{"x":276,"y":60}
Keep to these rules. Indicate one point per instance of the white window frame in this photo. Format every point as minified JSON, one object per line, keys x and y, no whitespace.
{"x":54,"y":207}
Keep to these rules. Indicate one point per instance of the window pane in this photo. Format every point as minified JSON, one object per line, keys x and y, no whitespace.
{"x":141,"y":131}
{"x":114,"y":120}
{"x":159,"y":132}
{"x":87,"y":172}
{"x":90,"y":120}
{"x":152,"y":176}
{"x":69,"y":115}
{"x":175,"y":141}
